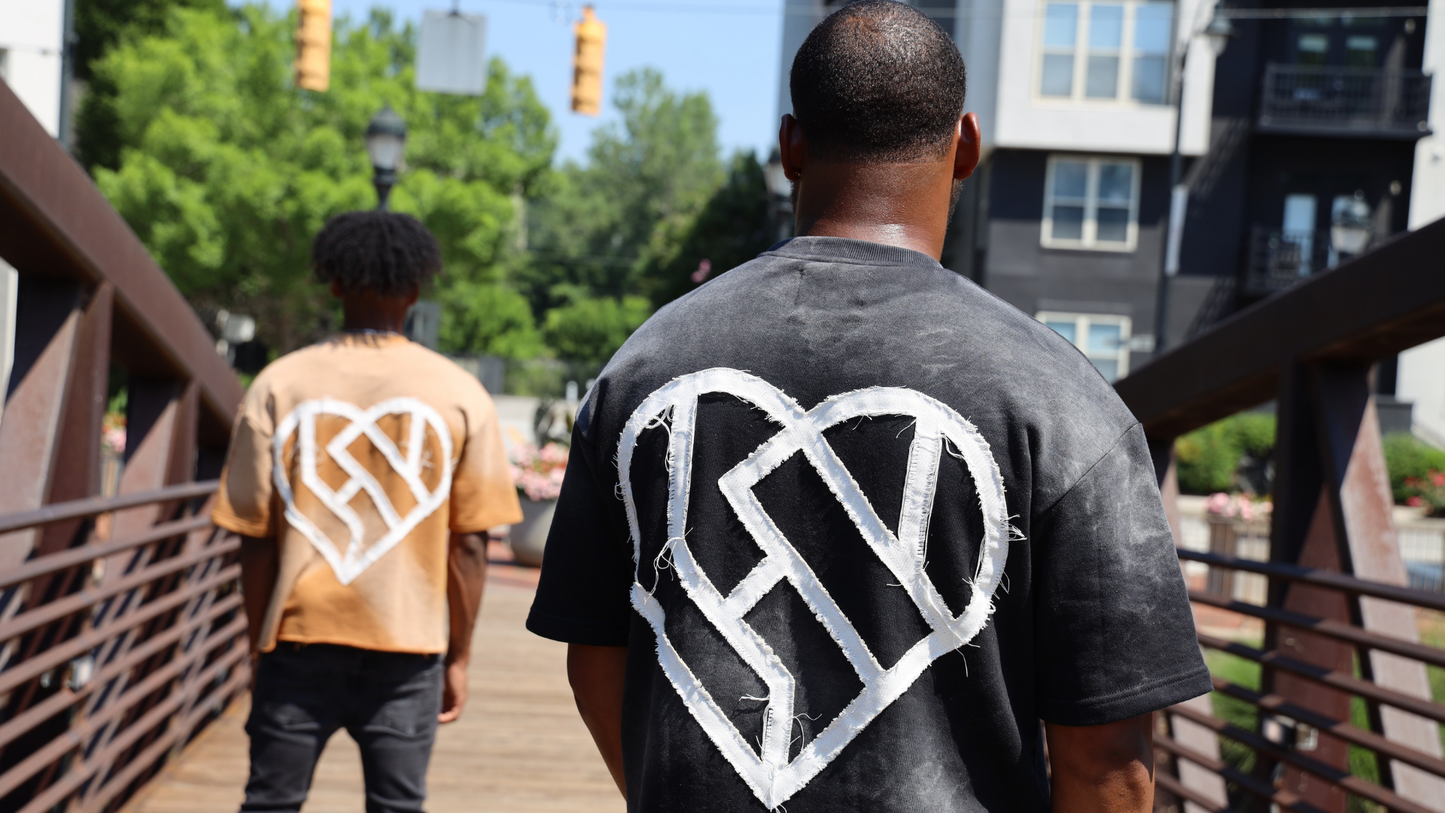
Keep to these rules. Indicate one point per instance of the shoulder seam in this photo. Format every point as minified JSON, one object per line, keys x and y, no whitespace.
{"x":1089,"y":470}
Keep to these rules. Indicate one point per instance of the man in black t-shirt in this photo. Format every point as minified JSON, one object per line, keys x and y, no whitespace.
{"x":841,"y":528}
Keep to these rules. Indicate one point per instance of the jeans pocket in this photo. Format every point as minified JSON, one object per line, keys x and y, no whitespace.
{"x":410,"y":709}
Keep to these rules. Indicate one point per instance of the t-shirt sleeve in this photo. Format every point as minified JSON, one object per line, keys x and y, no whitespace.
{"x":1115,"y":634}
{"x":483,"y":494}
{"x":243,"y":504}
{"x":584,"y":593}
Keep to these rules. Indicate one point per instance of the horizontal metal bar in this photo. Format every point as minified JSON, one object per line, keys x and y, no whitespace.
{"x":80,"y":773}
{"x":78,"y":602}
{"x":120,"y":781}
{"x":76,"y":735}
{"x":1330,"y":629}
{"x":70,"y":557}
{"x":1321,"y":578}
{"x":1285,"y":799}
{"x":1181,"y":790}
{"x":1366,"y":739}
{"x":1343,"y":779}
{"x":65,"y":698}
{"x":1340,"y":681}
{"x":75,"y":647}
{"x":93,"y":506}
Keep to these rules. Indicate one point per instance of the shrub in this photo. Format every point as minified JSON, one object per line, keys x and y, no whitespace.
{"x":1209,"y":458}
{"x":1406,"y":457}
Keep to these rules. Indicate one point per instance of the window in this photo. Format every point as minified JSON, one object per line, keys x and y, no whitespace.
{"x":1091,"y":203}
{"x":1106,"y":51}
{"x":1104,"y":339}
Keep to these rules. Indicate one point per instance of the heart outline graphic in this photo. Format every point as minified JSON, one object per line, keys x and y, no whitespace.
{"x":301,"y":421}
{"x":771,"y":775}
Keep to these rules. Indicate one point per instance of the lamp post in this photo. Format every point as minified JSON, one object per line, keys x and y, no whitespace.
{"x":780,"y":196}
{"x":385,"y":143}
{"x":1217,"y":33}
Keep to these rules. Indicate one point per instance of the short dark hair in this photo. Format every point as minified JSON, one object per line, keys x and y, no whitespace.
{"x":878,"y":81}
{"x":388,"y":253}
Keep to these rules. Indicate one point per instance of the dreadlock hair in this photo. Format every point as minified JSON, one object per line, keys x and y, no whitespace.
{"x":383,"y":252}
{"x":878,"y":81}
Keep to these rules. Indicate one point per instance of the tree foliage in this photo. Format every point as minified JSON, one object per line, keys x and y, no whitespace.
{"x":590,"y":330}
{"x":733,"y":227}
{"x":646,"y":179}
{"x":227,"y":170}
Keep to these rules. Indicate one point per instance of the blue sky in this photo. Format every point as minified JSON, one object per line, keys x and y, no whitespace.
{"x":729,"y":48}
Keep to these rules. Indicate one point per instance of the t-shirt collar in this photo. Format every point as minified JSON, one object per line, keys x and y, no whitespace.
{"x":844,"y":249}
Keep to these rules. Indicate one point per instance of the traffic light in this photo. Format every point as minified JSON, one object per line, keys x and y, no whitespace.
{"x":313,"y":45}
{"x":587,"y":64}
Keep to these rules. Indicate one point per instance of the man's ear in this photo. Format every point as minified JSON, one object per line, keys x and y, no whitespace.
{"x":969,"y":140}
{"x":792,"y":147}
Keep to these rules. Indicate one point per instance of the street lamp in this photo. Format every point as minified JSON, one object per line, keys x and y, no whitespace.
{"x":1217,"y":34}
{"x":780,"y":196}
{"x":1350,"y":228}
{"x":385,"y":143}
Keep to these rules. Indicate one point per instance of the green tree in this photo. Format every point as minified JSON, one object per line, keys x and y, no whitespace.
{"x":732,"y":228}
{"x":646,"y":179}
{"x":590,"y":330}
{"x":99,"y":26}
{"x":489,"y":319}
{"x":227,"y":169}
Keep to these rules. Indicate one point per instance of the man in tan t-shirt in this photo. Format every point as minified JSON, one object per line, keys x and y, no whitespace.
{"x":363,"y":474}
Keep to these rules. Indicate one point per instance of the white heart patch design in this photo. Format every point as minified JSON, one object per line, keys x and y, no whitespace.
{"x":358,"y":555}
{"x":771,"y":775}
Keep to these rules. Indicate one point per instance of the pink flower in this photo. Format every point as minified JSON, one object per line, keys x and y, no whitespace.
{"x":1414,"y":502}
{"x":1438,"y":478}
{"x":114,"y":438}
{"x":1218,"y":503}
{"x":704,"y":268}
{"x":1246,"y":509}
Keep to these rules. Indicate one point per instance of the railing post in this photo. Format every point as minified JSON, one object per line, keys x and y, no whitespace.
{"x":1302,"y":533}
{"x":1358,"y":487}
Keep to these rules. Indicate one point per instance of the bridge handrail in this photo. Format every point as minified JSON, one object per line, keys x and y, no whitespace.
{"x":121,"y":628}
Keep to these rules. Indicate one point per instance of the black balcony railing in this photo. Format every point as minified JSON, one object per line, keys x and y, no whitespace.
{"x":1280,"y":258}
{"x":1356,"y":102}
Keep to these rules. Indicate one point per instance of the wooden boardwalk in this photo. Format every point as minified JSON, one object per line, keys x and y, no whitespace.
{"x":518,"y":748}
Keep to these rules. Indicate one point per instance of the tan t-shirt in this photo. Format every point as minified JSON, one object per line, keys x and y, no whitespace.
{"x":359,"y":455}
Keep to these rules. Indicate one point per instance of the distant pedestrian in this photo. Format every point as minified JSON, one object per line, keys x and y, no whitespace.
{"x":363,"y":474}
{"x":841,"y":528}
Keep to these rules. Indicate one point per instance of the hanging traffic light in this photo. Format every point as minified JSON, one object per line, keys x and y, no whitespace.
{"x":313,"y":45}
{"x":587,"y":64}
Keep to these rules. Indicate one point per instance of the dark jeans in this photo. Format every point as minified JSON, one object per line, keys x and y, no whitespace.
{"x":388,"y":702}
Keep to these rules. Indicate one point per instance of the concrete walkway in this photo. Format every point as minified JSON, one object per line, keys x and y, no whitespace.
{"x":518,"y":748}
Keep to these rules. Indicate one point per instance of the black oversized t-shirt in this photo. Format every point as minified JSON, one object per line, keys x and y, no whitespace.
{"x":861,"y":525}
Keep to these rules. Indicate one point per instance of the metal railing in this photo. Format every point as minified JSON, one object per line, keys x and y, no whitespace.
{"x":1372,"y":102}
{"x":1341,"y":715}
{"x":121,"y":629}
{"x":1280,"y":258}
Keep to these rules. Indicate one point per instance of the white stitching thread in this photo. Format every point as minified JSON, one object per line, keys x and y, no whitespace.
{"x":302,"y":422}
{"x":771,"y":774}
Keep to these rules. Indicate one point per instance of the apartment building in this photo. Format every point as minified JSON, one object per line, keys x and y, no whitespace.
{"x":1304,"y":137}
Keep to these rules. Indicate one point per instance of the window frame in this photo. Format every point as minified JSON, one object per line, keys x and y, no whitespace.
{"x":1082,"y":322}
{"x":1089,"y":240}
{"x":1126,"y":54}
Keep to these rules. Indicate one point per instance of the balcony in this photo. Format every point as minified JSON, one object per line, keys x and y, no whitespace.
{"x":1345,"y":102}
{"x":1279,"y":259}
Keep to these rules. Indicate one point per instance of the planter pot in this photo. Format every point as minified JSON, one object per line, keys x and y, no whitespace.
{"x":529,"y":536}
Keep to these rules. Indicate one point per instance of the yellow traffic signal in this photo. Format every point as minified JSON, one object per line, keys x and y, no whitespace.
{"x":587,"y":64}
{"x":313,"y":45}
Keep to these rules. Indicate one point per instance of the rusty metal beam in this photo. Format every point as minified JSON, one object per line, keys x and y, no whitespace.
{"x":1366,"y":309}
{"x":54,"y":223}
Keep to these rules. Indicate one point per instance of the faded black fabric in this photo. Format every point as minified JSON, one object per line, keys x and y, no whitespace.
{"x":1092,"y":624}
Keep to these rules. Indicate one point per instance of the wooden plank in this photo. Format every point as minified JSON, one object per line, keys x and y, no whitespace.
{"x":518,"y":748}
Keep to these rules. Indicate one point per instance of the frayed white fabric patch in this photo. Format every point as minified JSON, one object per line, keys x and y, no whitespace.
{"x":357,"y":556}
{"x":771,"y":774}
